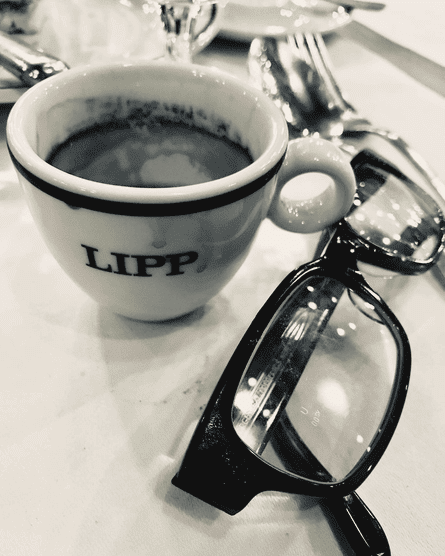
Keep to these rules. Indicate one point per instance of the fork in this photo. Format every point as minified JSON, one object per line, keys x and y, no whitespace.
{"x":297,"y":73}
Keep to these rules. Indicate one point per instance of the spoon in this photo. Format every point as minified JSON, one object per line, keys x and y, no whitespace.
{"x":296,"y":73}
{"x":28,"y":64}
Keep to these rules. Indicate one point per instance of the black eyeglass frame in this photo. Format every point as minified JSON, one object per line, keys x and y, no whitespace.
{"x":367,"y":161}
{"x":219,"y":468}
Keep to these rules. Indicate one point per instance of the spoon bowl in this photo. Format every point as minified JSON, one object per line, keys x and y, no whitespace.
{"x":296,"y":72}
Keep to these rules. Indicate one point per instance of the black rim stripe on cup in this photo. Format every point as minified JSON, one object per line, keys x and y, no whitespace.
{"x":76,"y":200}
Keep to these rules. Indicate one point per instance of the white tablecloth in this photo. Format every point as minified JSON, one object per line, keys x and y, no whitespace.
{"x":96,"y":410}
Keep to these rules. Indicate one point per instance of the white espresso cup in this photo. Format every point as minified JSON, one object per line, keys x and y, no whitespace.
{"x":155,"y":253}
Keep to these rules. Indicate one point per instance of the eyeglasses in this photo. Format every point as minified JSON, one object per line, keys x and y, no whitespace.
{"x":313,"y":393}
{"x":393,"y":223}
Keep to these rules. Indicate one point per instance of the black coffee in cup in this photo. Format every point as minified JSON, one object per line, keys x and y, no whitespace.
{"x":155,"y":152}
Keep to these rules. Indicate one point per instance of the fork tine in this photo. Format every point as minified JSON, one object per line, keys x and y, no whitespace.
{"x":312,"y":49}
{"x":329,"y":105}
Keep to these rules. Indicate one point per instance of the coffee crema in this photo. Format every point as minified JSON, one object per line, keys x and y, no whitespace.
{"x":158,"y":154}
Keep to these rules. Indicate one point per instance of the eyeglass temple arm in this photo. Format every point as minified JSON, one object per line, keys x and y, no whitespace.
{"x":353,"y":520}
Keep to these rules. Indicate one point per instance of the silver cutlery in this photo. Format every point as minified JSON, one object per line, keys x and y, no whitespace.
{"x":296,"y":72}
{"x":30,"y":65}
{"x":360,"y":4}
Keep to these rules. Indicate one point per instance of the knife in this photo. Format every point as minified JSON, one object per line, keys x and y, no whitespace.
{"x":29,"y":64}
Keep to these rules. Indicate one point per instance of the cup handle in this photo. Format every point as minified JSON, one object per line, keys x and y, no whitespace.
{"x":313,"y":154}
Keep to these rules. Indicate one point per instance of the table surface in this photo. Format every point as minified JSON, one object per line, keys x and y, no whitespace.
{"x":96,"y":410}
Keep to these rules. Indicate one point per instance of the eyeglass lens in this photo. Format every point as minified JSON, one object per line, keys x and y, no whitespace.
{"x":395,"y":215}
{"x":326,"y":370}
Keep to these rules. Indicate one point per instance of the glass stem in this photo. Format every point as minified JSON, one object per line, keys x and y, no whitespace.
{"x":179,"y":21}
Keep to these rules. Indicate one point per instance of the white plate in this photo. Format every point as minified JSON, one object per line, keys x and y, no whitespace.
{"x":246,"y":19}
{"x":93,"y":31}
